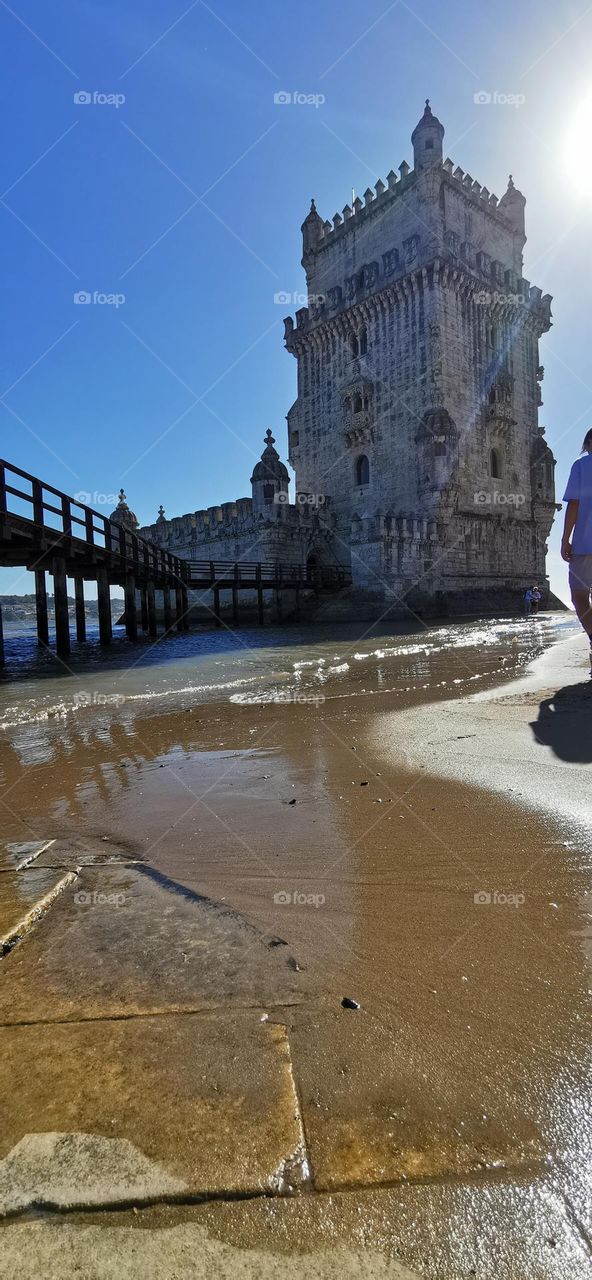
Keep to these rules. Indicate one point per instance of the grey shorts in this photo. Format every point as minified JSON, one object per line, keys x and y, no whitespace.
{"x":580,"y":573}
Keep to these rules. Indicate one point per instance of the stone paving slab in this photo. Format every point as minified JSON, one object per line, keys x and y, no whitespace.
{"x":498,"y":1231}
{"x":24,"y":896}
{"x":81,"y":851}
{"x":144,"y":1108}
{"x":128,"y":940}
{"x":184,"y":1253}
{"x":18,"y":854}
{"x":372,"y":1116}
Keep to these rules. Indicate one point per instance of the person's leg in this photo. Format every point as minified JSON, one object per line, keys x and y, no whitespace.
{"x":583,"y":607}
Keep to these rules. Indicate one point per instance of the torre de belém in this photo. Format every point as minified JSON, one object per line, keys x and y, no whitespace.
{"x":420,"y":465}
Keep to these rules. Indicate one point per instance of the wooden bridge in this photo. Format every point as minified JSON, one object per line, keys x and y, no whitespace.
{"x":45,"y":530}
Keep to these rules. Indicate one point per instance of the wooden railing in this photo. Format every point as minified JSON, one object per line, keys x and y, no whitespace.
{"x":255,"y":573}
{"x":55,"y":513}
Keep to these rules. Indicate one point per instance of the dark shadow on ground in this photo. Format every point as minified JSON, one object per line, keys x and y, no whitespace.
{"x":565,"y":723}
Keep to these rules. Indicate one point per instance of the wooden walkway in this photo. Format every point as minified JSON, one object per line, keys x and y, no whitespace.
{"x":45,"y":530}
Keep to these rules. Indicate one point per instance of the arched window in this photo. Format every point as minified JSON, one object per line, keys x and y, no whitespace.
{"x":495,"y":464}
{"x":362,"y":470}
{"x":357,"y":405}
{"x":354,"y":344}
{"x":268,"y":493}
{"x":363,"y":342}
{"x":440,"y":449}
{"x":493,"y":395}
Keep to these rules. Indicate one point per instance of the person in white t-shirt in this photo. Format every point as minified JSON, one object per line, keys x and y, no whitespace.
{"x":576,"y":546}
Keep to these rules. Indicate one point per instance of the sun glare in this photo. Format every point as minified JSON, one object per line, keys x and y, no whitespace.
{"x":577,"y":150}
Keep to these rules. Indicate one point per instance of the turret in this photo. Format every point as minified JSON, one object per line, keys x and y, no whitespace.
{"x":512,"y":206}
{"x":312,"y":230}
{"x":122,"y":514}
{"x":269,"y":481}
{"x":427,"y":140}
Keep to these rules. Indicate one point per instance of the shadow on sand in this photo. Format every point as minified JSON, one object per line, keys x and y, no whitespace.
{"x":565,"y":723}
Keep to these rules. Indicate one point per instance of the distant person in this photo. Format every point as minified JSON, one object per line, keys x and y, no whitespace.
{"x":576,"y":546}
{"x":536,"y":599}
{"x":528,"y":602}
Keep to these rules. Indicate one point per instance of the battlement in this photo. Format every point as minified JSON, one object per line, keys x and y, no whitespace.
{"x":359,"y":211}
{"x":229,"y":519}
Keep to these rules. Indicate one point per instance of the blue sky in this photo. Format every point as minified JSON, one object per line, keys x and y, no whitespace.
{"x":187,"y":198}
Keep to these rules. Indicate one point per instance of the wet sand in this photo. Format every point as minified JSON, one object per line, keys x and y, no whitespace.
{"x":423,"y":860}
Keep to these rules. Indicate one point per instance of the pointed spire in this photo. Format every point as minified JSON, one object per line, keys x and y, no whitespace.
{"x":269,"y":437}
{"x":161,"y":518}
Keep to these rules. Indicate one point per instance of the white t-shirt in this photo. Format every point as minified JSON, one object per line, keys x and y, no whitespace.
{"x":579,"y":486}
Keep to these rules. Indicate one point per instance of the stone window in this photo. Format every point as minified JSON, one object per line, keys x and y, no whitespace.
{"x":354,"y":344}
{"x":295,"y":438}
{"x":268,"y":493}
{"x":429,"y":146}
{"x":495,"y":467}
{"x":358,"y":403}
{"x":362,"y":470}
{"x":363,"y":342}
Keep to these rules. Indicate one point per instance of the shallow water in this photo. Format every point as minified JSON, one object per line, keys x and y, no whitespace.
{"x":288,"y":665}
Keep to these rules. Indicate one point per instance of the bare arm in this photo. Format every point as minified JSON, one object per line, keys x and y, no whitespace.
{"x":571,"y":515}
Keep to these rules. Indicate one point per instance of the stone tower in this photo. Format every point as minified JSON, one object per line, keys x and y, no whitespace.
{"x":419,"y":386}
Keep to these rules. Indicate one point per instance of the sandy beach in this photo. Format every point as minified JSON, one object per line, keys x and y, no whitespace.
{"x":191,"y":890}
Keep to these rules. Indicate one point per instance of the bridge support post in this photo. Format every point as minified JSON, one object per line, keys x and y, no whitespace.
{"x":151,"y":605}
{"x":278,"y":604}
{"x":131,"y":617}
{"x":41,"y":607}
{"x":144,"y":608}
{"x":185,"y":608}
{"x":235,"y":605}
{"x":80,"y":614}
{"x":1,"y":639}
{"x":166,"y":608}
{"x":260,"y":610}
{"x":297,"y":602}
{"x":217,"y":606}
{"x":104,"y":604}
{"x":179,"y":609}
{"x":60,"y":600}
